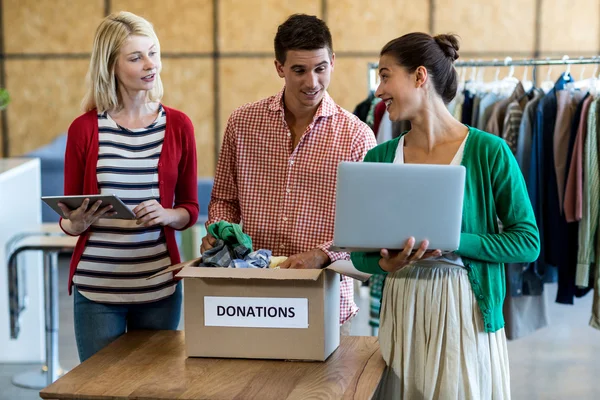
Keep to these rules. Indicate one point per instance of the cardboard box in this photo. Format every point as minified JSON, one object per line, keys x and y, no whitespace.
{"x":262,"y":313}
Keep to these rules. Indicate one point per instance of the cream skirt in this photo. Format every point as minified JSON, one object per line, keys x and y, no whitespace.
{"x":433,"y":340}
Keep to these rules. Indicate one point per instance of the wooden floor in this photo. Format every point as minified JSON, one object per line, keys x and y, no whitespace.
{"x":559,"y":362}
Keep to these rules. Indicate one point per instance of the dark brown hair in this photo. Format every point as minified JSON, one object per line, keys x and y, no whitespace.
{"x":436,"y":53}
{"x":302,"y":32}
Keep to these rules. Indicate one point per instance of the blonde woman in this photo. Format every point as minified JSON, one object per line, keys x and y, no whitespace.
{"x":127,"y":143}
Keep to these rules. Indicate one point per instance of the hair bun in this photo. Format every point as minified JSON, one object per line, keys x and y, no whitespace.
{"x":449,"y":45}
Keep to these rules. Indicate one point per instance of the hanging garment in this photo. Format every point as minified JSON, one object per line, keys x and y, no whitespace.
{"x":513,"y":118}
{"x":523,"y":315}
{"x":574,"y":186}
{"x":486,"y":107}
{"x":475,"y":114}
{"x":525,"y":135}
{"x":574,"y":128}
{"x":467,"y":109}
{"x":380,"y":110}
{"x":362,"y":108}
{"x":495,"y":122}
{"x":591,"y":199}
{"x":521,"y":279}
{"x":543,"y":189}
{"x":525,"y":306}
{"x":567,"y":273}
{"x":370,"y":120}
{"x":566,"y":106}
{"x":595,"y":319}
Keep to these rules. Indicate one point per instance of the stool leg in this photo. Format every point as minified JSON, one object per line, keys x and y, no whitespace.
{"x":51,"y":293}
{"x":51,"y":371}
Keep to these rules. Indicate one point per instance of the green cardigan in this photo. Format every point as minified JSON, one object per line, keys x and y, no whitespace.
{"x":494,"y":187}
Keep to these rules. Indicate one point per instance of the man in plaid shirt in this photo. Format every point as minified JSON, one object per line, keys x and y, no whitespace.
{"x":277,"y":169}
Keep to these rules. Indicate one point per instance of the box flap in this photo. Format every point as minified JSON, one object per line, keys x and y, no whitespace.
{"x":342,"y":267}
{"x":249,"y":273}
{"x":174,"y":268}
{"x":345,"y":267}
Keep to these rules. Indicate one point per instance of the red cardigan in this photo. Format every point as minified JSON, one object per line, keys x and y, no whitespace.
{"x":176,"y":172}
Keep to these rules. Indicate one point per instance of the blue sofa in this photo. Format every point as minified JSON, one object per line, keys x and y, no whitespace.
{"x":52,"y":165}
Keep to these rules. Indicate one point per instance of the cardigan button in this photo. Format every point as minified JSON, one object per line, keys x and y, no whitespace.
{"x":489,"y":326}
{"x":481,"y":296}
{"x":160,"y":164}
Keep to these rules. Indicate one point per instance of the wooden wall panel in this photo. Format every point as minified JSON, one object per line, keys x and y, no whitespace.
{"x":357,"y":25}
{"x":349,"y":84}
{"x":183,"y":26}
{"x":46,"y":97}
{"x":188,"y":87}
{"x":250,"y":25}
{"x":570,"y":26}
{"x":488,"y":26}
{"x":58,"y":26}
{"x":53,"y":88}
{"x":239,"y":88}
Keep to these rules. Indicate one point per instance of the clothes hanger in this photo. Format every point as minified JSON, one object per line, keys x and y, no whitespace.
{"x":527,"y":84}
{"x":567,"y":74}
{"x":548,"y":84}
{"x":471,"y":84}
{"x":481,"y":86}
{"x":588,"y":83}
{"x":509,"y":82}
{"x":495,"y":85}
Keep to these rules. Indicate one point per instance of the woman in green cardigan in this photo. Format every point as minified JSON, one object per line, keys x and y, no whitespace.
{"x":441,"y":332}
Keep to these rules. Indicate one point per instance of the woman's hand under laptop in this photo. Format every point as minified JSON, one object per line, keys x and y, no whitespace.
{"x":392,"y":261}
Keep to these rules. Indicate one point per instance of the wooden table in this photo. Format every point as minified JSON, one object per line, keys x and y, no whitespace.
{"x":153,"y":365}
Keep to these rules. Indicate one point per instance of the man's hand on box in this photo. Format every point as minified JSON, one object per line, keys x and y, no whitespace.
{"x":312,"y":259}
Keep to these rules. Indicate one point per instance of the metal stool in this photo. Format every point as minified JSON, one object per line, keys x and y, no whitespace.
{"x":50,"y":244}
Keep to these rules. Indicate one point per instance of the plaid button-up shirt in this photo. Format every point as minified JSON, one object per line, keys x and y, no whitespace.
{"x":285,"y":197}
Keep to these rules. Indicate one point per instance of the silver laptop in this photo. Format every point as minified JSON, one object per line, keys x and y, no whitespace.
{"x":381,"y":205}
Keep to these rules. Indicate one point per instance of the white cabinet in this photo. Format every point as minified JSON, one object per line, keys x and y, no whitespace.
{"x":20,"y":210}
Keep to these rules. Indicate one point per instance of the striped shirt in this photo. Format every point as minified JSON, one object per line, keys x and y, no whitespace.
{"x":120,"y":255}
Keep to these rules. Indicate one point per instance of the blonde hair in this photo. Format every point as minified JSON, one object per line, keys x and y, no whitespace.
{"x":113,"y":31}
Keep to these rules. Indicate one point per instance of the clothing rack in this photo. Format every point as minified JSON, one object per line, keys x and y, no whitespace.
{"x":507,"y":62}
